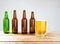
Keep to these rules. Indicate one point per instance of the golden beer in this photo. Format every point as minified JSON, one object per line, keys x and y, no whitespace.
{"x":40,"y":27}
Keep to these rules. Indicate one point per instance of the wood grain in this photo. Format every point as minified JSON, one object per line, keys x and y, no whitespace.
{"x":52,"y":37}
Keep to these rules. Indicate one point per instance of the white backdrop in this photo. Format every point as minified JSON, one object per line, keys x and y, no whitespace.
{"x":44,"y":9}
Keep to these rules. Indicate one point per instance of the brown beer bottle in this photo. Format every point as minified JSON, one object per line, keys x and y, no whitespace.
{"x":32,"y":23}
{"x":24,"y":23}
{"x":14,"y":23}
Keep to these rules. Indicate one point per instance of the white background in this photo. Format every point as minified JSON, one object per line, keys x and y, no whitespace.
{"x":48,"y":10}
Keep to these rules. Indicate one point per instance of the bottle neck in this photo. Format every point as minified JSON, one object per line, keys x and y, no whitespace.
{"x":6,"y":15}
{"x":14,"y":14}
{"x":24,"y":14}
{"x":32,"y":15}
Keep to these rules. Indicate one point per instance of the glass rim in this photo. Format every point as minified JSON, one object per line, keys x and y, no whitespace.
{"x":40,"y":20}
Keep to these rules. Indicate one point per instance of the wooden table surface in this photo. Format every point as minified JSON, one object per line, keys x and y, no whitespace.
{"x":51,"y":38}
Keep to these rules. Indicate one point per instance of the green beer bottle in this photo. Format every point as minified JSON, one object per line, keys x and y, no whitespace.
{"x":6,"y":23}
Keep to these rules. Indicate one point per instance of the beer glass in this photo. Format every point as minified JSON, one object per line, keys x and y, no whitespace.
{"x":40,"y":28}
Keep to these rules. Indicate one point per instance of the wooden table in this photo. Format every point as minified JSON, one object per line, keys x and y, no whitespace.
{"x":51,"y":38}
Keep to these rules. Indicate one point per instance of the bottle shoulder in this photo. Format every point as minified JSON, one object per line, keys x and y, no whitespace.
{"x":5,"y":18}
{"x":32,"y":18}
{"x":14,"y":19}
{"x":24,"y":19}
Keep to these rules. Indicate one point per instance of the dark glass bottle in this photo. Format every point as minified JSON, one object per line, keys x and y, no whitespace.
{"x":14,"y":23}
{"x":32,"y":23}
{"x":24,"y":23}
{"x":6,"y":23}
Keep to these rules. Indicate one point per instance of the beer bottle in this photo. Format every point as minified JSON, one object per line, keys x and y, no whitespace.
{"x":6,"y":23}
{"x":24,"y":23}
{"x":14,"y":23}
{"x":32,"y":23}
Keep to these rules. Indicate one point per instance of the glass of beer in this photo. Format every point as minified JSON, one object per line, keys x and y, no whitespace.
{"x":40,"y":28}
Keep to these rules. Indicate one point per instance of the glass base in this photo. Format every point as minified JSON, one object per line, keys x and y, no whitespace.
{"x":41,"y":35}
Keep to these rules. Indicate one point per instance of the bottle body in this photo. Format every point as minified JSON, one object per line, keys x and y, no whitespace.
{"x":14,"y":23}
{"x":24,"y":26}
{"x":6,"y":23}
{"x":32,"y":26}
{"x":15,"y":26}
